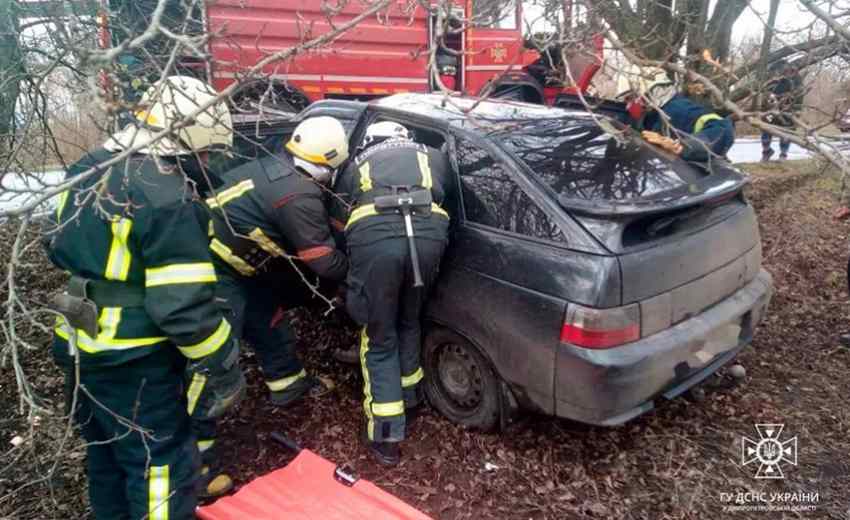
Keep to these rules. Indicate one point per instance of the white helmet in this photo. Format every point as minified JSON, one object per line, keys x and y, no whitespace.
{"x":168,"y":102}
{"x":385,"y":130}
{"x":320,"y":141}
{"x":653,"y":83}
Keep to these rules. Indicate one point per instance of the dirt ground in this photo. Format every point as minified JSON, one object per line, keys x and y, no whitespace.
{"x":678,"y":462}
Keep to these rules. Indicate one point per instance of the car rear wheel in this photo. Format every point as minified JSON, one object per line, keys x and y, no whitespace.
{"x":460,"y":382}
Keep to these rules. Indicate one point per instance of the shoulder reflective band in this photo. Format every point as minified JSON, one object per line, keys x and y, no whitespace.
{"x":388,"y":409}
{"x":234,"y":261}
{"x":213,"y":342}
{"x":266,"y":244}
{"x":282,"y":384}
{"x":365,"y":177}
{"x":225,"y":196}
{"x":118,"y":262}
{"x":704,"y":120}
{"x":369,"y":210}
{"x":205,"y":444}
{"x":60,"y":206}
{"x":102,"y":343}
{"x":201,"y":272}
{"x":412,"y":379}
{"x":194,"y":392}
{"x":425,"y":169}
{"x":158,"y":492}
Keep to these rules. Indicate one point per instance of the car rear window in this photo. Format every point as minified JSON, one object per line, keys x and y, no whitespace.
{"x":593,"y":159}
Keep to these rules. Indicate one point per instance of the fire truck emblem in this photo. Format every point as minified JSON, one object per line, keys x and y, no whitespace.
{"x":769,"y":451}
{"x":498,"y":53}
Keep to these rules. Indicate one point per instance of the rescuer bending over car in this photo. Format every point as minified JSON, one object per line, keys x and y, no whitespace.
{"x":671,"y":120}
{"x":396,"y":233}
{"x":269,"y":212}
{"x":139,"y":311}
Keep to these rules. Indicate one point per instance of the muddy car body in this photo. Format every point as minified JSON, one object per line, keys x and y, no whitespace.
{"x":588,"y":275}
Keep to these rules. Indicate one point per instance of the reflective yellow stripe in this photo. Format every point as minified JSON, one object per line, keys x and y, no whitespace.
{"x":110,"y":317}
{"x":227,"y":255}
{"x":220,"y":199}
{"x":118,"y":263}
{"x":282,"y":384}
{"x":425,"y":170}
{"x":412,"y":379}
{"x":296,"y":149}
{"x":201,"y":272}
{"x":266,"y":243}
{"x":210,"y":229}
{"x":60,"y":206}
{"x":369,"y":210}
{"x":194,"y":392}
{"x":702,"y":121}
{"x":204,"y":445}
{"x":365,"y":177}
{"x":367,"y":386}
{"x":388,"y":409}
{"x":158,"y":492}
{"x":209,"y":345}
{"x":102,"y":344}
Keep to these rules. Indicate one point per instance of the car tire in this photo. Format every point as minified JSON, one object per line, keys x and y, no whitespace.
{"x":460,"y":381}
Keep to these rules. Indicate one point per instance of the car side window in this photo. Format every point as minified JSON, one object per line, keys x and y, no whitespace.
{"x":492,"y":198}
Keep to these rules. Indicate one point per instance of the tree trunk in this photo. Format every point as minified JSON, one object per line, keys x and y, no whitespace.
{"x":765,"y":52}
{"x":11,"y":69}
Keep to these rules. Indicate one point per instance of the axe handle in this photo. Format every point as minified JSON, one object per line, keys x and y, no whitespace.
{"x":285,"y":441}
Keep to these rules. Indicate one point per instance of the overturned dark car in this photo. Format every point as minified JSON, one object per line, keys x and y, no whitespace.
{"x":589,"y":275}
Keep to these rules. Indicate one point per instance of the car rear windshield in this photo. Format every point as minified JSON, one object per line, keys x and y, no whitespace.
{"x":580,"y":158}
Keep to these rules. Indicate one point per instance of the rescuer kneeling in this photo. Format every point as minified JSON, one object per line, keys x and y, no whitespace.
{"x":270,"y":214}
{"x":671,"y":120}
{"x":396,"y":234}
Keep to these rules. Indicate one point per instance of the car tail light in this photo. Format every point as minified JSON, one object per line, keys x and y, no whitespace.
{"x":601,"y":328}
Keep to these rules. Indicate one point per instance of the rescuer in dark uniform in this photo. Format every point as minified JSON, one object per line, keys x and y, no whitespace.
{"x":268,"y":222}
{"x":395,"y":187}
{"x":139,"y":313}
{"x":783,"y":103}
{"x":673,"y":121}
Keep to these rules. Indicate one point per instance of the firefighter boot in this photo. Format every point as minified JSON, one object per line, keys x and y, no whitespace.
{"x":307,"y":386}
{"x":348,"y":356}
{"x":213,"y":484}
{"x":385,"y":453}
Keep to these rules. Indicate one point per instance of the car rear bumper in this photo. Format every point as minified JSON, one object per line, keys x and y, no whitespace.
{"x":610,"y":387}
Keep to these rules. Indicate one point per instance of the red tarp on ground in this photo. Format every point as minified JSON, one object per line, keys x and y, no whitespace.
{"x":306,"y":490}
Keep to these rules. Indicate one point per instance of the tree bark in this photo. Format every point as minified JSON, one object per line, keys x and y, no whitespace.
{"x":11,"y":70}
{"x":765,"y":52}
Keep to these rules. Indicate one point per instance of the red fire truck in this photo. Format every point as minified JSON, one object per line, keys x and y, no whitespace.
{"x":382,"y":55}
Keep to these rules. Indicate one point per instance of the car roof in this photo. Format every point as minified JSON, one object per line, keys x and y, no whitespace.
{"x":469,"y":112}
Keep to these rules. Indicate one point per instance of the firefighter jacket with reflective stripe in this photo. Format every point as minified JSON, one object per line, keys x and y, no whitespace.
{"x":267,"y":211}
{"x":374,"y":173}
{"x":700,"y":129}
{"x":136,"y":223}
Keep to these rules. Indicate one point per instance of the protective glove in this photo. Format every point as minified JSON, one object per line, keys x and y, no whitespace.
{"x":671,"y":145}
{"x":215,"y":382}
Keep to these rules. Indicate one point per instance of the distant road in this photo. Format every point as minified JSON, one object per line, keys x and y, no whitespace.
{"x":748,"y":149}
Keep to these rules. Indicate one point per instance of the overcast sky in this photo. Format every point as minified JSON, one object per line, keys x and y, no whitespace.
{"x":790,"y":16}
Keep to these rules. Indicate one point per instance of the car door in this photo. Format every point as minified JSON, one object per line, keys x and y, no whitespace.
{"x":496,"y":284}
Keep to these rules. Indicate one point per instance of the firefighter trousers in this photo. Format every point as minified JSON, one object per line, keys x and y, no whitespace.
{"x":141,"y":455}
{"x":381,"y":296}
{"x":253,"y":309}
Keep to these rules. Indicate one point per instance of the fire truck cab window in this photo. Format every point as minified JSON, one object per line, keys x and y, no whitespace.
{"x":491,"y":198}
{"x":494,"y":14}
